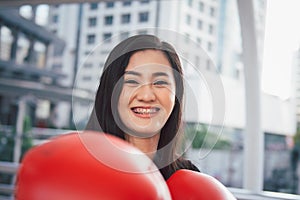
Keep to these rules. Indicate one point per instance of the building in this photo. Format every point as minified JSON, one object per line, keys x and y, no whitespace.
{"x":100,"y":26}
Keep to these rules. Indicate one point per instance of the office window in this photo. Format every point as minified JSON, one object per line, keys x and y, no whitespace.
{"x":110,"y":4}
{"x":108,"y":20}
{"x":55,"y":18}
{"x":208,"y":65}
{"x":144,"y":1}
{"x":212,"y":11}
{"x":199,"y":24}
{"x":92,"y":21}
{"x":93,"y":6}
{"x":126,"y":3}
{"x":211,"y":29}
{"x":91,"y":38}
{"x":143,"y":32}
{"x":86,"y":78}
{"x":201,"y":6}
{"x":187,"y":37}
{"x":143,"y":17}
{"x":198,"y":41}
{"x":107,"y":37}
{"x":124,"y":35}
{"x":88,"y":65}
{"x":197,"y":62}
{"x":125,"y":18}
{"x":209,"y":46}
{"x":188,"y":19}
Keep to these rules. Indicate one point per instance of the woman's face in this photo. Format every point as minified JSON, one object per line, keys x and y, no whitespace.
{"x":148,"y":94}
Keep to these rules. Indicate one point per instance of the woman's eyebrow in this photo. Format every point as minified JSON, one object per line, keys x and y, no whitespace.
{"x":133,"y":73}
{"x":155,"y":74}
{"x":160,"y":74}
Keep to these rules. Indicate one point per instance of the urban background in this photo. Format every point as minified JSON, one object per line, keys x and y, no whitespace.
{"x":52,"y":55}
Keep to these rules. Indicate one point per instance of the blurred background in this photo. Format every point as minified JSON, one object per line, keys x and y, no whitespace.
{"x":251,"y":46}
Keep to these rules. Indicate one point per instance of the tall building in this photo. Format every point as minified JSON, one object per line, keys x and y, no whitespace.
{"x":97,"y":27}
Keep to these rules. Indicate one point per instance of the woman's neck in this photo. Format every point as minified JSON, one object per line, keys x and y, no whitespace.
{"x":146,"y":145}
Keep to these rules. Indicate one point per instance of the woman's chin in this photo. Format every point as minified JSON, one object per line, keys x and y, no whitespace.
{"x":144,"y":132}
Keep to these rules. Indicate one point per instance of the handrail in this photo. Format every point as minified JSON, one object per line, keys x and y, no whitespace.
{"x":9,"y":167}
{"x":242,"y":194}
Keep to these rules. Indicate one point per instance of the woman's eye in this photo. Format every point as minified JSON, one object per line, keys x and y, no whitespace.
{"x":161,"y":83}
{"x":131,"y":82}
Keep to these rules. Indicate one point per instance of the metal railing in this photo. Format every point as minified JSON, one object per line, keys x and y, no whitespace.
{"x":7,"y":190}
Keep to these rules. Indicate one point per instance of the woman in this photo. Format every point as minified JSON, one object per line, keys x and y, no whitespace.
{"x":139,"y":99}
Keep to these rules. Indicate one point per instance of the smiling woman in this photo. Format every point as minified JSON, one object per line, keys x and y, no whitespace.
{"x":139,"y":100}
{"x":148,"y":93}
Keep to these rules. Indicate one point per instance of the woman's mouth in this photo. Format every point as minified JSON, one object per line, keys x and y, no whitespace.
{"x":145,"y":111}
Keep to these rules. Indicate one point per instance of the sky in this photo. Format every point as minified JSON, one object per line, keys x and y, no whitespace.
{"x":282,"y":39}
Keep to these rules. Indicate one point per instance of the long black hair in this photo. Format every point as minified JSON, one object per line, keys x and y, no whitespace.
{"x":103,"y":116}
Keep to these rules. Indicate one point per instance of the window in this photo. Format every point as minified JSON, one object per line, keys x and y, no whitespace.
{"x":208,"y":65}
{"x":143,"y":16}
{"x":143,"y":32}
{"x":125,"y":18}
{"x":126,"y":3}
{"x":209,"y":46}
{"x":144,"y":1}
{"x":88,"y":65}
{"x":188,"y":19}
{"x":107,"y":37}
{"x":199,"y":41}
{"x":197,"y":62}
{"x":124,"y":35}
{"x":92,"y":21}
{"x":199,"y":24}
{"x":108,"y":20}
{"x":211,"y":29}
{"x":201,"y":6}
{"x":212,"y":11}
{"x":57,"y":67}
{"x":187,"y":37}
{"x":55,"y":18}
{"x":91,"y":39}
{"x":93,"y":6}
{"x":110,"y":4}
{"x":86,"y":78}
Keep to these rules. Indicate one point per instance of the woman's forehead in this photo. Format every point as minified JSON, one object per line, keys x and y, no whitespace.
{"x":153,"y":69}
{"x":149,"y":56}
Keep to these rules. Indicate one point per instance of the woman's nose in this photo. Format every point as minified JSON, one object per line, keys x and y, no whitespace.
{"x":145,"y":93}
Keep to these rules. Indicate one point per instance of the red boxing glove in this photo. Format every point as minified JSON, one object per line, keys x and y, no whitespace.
{"x":187,"y":184}
{"x":89,"y":166}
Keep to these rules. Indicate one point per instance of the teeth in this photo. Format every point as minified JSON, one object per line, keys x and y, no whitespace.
{"x":144,"y":110}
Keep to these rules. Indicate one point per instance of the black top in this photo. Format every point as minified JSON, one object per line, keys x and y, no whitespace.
{"x":181,"y":163}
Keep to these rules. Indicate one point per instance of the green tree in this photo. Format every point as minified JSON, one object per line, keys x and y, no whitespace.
{"x":7,"y":142}
{"x":202,"y":138}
